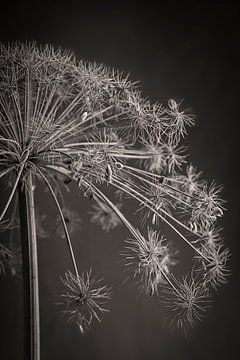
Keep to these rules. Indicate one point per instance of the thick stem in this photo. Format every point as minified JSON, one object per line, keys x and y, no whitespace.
{"x":30,"y":269}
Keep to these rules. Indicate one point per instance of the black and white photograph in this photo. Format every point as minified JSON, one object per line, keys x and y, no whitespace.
{"x":119,"y":174}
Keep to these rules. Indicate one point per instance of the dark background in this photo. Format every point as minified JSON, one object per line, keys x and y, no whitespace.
{"x":183,"y":50}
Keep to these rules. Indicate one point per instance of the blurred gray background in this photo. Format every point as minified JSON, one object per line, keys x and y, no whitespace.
{"x":183,"y":50}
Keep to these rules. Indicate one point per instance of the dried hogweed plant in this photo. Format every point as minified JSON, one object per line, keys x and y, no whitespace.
{"x":65,"y":121}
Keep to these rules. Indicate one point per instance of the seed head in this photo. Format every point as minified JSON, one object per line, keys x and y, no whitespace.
{"x":147,"y":259}
{"x":214,"y":265}
{"x":91,"y":125}
{"x":179,"y":121}
{"x":104,"y":216}
{"x":84,"y":299}
{"x":187,"y":301}
{"x":209,"y":206}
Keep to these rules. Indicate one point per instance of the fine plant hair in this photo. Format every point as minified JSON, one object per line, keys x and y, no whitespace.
{"x":65,"y":121}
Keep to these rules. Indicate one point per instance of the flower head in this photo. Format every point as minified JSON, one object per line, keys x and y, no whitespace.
{"x":187,"y":301}
{"x":214,"y":265}
{"x":211,"y":238}
{"x":158,"y":200}
{"x":84,"y":299}
{"x":208,"y":207}
{"x":105,"y":216}
{"x":91,"y":125}
{"x":179,"y":121}
{"x":148,"y":258}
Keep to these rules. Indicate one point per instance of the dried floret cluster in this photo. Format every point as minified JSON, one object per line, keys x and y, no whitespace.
{"x":84,"y":298}
{"x":63,"y":121}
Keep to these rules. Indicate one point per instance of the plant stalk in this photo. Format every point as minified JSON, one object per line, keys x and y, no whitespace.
{"x":29,"y":269}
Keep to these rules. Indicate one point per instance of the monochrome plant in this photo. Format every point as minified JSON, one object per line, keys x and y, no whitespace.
{"x":64,"y":121}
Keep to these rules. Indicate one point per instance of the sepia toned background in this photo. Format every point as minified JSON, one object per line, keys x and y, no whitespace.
{"x":183,"y":50}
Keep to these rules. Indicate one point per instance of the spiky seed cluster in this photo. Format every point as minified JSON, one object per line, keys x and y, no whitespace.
{"x":214,"y":265}
{"x":105,"y":216}
{"x":65,"y":120}
{"x":208,"y":207}
{"x":187,"y":300}
{"x":149,"y":258}
{"x":84,"y":299}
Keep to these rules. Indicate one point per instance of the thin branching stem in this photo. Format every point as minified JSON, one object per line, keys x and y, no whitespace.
{"x":63,"y":221}
{"x":15,"y":185}
{"x":162,"y":177}
{"x":144,"y":180}
{"x":142,"y":198}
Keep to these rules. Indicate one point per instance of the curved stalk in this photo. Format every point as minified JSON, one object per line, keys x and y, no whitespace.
{"x":63,"y":222}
